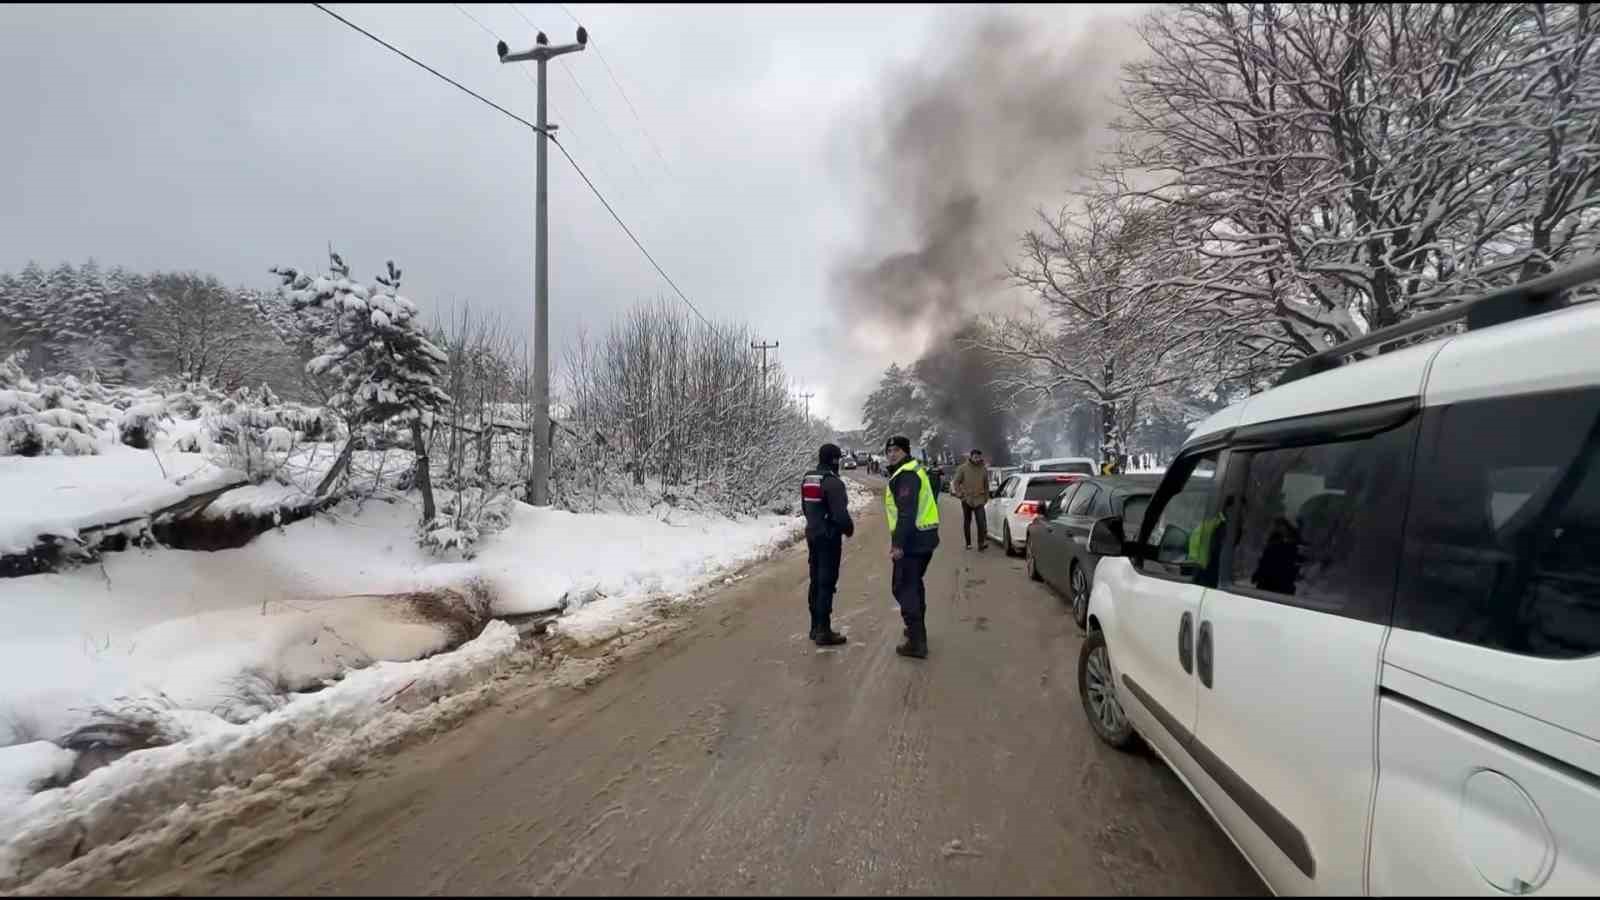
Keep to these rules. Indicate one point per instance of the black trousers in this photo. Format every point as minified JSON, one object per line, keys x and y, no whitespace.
{"x":911,"y":595}
{"x":824,"y":559}
{"x":967,"y":512}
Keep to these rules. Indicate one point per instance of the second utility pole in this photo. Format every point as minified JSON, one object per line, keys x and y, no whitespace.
{"x":763,"y":347}
{"x":539,"y":478}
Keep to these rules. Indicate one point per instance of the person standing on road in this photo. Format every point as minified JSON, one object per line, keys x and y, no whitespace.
{"x":912,"y":509}
{"x":827,"y":508}
{"x":971,"y":487}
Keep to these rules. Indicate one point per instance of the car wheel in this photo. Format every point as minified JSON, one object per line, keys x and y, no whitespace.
{"x":1033,"y":564}
{"x":1011,"y":549}
{"x":1099,"y":692}
{"x":1080,"y":595}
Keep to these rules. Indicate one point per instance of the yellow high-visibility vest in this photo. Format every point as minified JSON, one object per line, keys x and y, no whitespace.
{"x":927,"y":503}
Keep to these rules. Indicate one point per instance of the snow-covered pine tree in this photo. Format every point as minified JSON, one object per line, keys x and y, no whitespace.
{"x":379,"y":355}
{"x":28,"y":310}
{"x":10,"y":321}
{"x":88,"y":345}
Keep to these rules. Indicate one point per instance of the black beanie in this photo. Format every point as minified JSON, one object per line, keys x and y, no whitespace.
{"x":828,"y":454}
{"x":901,"y":441}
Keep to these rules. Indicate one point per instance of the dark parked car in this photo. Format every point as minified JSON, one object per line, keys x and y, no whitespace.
{"x":1058,"y":539}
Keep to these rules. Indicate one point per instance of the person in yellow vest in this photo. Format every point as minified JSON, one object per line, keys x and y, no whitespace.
{"x":912,"y":509}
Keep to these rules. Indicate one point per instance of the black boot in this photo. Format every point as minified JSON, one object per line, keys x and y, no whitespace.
{"x":916,"y":645}
{"x":829,"y":638}
{"x":913,"y":649}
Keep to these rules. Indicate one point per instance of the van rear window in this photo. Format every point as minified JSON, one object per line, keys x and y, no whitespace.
{"x":1504,"y":523}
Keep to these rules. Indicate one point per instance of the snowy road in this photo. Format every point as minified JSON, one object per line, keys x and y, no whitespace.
{"x":735,"y":757}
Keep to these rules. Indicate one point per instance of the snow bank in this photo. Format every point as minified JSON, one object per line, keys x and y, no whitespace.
{"x":24,"y":768}
{"x":58,"y":495}
{"x":259,"y":499}
{"x":546,"y":555}
{"x":293,"y":606}
{"x":226,"y":643}
{"x":162,"y":789}
{"x":616,"y":576}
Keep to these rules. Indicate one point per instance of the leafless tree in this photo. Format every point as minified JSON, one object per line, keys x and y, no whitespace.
{"x":199,"y":329}
{"x":1336,"y":167}
{"x":680,"y":410}
{"x":1112,"y":330}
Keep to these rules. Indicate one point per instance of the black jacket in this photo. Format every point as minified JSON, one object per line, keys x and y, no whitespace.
{"x":905,"y":486}
{"x":827,"y":509}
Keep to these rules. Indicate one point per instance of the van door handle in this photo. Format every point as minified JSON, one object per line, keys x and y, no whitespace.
{"x":1203,"y":654}
{"x":1186,"y":643}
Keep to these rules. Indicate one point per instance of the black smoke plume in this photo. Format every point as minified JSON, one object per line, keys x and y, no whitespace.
{"x":987,"y":129}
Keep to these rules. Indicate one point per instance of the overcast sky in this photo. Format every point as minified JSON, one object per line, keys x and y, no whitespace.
{"x":230,"y":138}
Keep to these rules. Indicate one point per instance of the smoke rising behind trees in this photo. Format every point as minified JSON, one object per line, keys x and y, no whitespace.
{"x":966,"y":145}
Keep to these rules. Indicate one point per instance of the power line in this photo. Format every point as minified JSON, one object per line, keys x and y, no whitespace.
{"x":618,"y":85}
{"x":575,"y":167}
{"x":436,"y":73}
{"x":492,"y":33}
{"x":629,"y":232}
{"x":486,"y":29}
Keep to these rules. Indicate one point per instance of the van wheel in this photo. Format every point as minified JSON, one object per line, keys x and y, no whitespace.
{"x":1080,"y":595}
{"x":1099,"y":693}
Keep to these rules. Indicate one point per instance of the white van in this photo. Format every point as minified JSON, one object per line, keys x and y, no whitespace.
{"x":1362,"y":619}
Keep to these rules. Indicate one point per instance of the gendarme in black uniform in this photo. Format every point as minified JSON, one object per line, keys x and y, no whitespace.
{"x":826,"y":504}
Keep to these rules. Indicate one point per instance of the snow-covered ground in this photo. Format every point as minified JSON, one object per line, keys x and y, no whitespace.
{"x":57,"y":495}
{"x":292,"y":647}
{"x":302,"y":603}
{"x":217,"y":766}
{"x":294,"y":638}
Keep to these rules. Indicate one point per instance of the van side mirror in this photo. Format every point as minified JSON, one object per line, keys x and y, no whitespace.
{"x":1105,"y":538}
{"x":1050,"y":509}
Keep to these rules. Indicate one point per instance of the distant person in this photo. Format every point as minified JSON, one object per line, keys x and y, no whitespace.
{"x":971,"y":486}
{"x":827,"y":509}
{"x":912,"y":509}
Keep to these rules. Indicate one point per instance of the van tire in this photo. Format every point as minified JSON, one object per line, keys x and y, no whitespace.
{"x":1096,"y":687}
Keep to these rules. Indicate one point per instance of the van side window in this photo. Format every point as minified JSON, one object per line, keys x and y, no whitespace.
{"x":1319,"y":525}
{"x":1181,"y":539}
{"x":1502,"y":546}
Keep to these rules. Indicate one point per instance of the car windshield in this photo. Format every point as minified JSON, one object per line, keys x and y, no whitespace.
{"x":1079,"y":468}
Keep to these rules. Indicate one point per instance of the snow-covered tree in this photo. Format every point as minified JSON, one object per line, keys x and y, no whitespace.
{"x":379,"y":355}
{"x":23,"y":309}
{"x":895,"y":406}
{"x":671,"y":408}
{"x":1338,"y":167}
{"x":41,"y":419}
{"x":1108,"y":330}
{"x":197,"y":328}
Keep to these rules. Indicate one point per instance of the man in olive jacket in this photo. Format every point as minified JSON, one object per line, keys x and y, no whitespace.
{"x":971,"y":487}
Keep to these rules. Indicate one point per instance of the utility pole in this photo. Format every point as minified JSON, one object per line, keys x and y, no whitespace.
{"x":539,"y":477}
{"x":763,"y":347}
{"x":807,"y":397}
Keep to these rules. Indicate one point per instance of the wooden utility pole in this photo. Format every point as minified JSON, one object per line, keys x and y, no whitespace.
{"x":763,"y":347}
{"x":807,"y":397}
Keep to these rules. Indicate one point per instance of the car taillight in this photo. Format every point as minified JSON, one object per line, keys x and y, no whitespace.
{"x":1028,"y":508}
